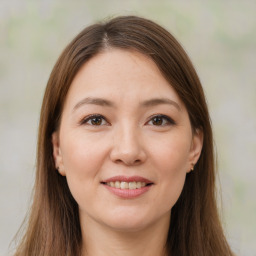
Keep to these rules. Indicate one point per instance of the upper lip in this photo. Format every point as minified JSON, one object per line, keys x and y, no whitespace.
{"x":128,"y":179}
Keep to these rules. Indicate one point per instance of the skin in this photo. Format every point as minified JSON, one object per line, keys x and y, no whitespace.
{"x":127,"y":140}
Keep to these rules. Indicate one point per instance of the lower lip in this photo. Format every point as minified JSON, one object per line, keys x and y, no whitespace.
{"x":128,"y":193}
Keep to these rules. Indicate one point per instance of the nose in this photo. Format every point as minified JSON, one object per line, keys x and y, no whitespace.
{"x":128,"y":147}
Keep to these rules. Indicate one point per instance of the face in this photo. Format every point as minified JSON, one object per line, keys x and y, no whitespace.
{"x":125,"y":142}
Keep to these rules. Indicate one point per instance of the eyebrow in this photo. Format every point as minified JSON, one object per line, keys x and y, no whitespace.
{"x":107,"y":103}
{"x":94,"y":101}
{"x":159,"y":101}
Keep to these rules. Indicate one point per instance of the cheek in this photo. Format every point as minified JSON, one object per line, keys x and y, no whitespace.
{"x":82,"y":159}
{"x":171,"y":154}
{"x":81,"y":154}
{"x":171,"y":160}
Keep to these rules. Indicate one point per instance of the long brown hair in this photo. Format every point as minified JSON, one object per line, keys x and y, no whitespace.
{"x":53,"y":226}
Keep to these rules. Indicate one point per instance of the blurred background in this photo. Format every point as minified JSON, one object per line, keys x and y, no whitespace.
{"x":220,"y":38}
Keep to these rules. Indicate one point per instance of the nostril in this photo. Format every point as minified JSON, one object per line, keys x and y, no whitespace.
{"x":136,"y":162}
{"x":128,"y":161}
{"x":128,"y":151}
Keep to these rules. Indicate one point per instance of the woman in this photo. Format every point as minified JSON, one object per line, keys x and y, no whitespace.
{"x":125,"y":161}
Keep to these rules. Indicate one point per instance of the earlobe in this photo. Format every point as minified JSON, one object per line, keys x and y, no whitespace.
{"x":57,"y":155}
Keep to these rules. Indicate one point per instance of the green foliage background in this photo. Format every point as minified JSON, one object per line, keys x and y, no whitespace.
{"x":220,"y":38}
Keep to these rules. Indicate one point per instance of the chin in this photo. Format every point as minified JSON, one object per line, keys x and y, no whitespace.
{"x":132,"y":221}
{"x":126,"y":221}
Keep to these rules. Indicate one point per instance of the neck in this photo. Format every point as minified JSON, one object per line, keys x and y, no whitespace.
{"x":101,"y":241}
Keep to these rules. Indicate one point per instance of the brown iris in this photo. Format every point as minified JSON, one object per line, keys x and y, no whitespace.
{"x":96,"y":120}
{"x":158,"y":120}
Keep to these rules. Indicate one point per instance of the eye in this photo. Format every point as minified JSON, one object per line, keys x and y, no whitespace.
{"x":161,"y":120}
{"x":94,"y":120}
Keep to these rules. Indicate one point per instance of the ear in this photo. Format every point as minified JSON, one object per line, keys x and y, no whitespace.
{"x":196,"y":148}
{"x":57,"y":155}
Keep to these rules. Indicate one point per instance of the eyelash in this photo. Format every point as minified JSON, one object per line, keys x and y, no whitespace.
{"x":169,"y":121}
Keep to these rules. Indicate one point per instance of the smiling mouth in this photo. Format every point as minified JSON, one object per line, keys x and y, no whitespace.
{"x":127,"y":185}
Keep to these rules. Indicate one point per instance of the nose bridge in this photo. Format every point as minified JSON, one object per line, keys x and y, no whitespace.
{"x":127,"y":144}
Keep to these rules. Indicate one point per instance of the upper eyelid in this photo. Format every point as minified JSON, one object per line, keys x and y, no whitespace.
{"x":162,"y":116}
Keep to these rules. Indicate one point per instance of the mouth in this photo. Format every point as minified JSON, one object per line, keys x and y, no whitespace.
{"x":127,"y":183}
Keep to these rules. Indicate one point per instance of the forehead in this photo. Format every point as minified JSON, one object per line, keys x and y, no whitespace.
{"x":118,"y":75}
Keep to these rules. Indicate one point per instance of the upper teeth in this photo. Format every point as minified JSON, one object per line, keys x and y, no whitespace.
{"x":126,"y":185}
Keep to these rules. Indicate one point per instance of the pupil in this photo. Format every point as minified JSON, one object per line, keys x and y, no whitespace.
{"x":157,"y":121}
{"x":96,"y":121}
